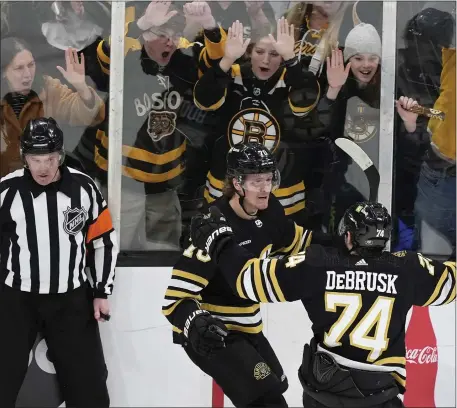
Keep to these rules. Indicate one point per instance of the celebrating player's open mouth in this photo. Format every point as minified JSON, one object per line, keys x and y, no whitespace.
{"x":262,"y":201}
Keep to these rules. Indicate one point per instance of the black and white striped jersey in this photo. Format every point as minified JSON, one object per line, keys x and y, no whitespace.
{"x":50,"y":234}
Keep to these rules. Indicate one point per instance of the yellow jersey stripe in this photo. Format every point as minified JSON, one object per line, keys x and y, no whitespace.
{"x":190,"y":276}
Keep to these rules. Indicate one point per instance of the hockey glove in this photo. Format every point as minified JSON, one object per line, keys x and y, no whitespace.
{"x":210,"y":232}
{"x":204,"y":333}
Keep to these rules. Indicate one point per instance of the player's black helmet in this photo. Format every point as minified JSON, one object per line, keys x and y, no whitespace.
{"x":369,"y":223}
{"x":41,"y":136}
{"x":252,"y":158}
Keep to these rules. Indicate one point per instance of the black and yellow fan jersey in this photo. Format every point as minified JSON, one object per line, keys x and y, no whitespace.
{"x":357,"y":305}
{"x":159,"y":114}
{"x":196,"y":277}
{"x":263,"y":111}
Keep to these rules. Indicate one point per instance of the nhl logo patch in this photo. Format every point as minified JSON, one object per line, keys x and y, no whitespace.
{"x":74,"y":220}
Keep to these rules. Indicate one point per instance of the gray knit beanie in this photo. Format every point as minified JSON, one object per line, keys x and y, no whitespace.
{"x":363,"y":38}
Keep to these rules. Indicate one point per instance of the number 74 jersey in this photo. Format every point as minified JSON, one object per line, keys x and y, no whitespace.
{"x":357,"y":306}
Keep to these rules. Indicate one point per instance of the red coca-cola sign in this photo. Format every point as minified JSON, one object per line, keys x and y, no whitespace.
{"x":425,"y":355}
{"x":421,"y":360}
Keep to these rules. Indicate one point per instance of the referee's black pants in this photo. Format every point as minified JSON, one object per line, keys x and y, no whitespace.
{"x":71,"y":332}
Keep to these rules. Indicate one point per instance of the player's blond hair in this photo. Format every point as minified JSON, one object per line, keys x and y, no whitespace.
{"x":229,"y":189}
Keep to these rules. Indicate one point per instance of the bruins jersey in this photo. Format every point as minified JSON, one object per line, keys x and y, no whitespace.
{"x":252,"y":110}
{"x":357,"y":305}
{"x":196,"y":277}
{"x":158,"y":107}
{"x":307,"y":44}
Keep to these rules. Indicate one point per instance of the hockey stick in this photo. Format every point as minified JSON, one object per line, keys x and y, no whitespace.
{"x":356,"y":153}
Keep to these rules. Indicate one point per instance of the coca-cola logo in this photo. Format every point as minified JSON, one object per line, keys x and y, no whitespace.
{"x":425,"y":355}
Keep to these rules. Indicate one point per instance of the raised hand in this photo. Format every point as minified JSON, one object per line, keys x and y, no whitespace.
{"x":75,"y":72}
{"x":157,"y":14}
{"x":284,"y":43}
{"x":199,"y":12}
{"x":337,"y":74}
{"x":235,"y":45}
{"x":409,"y":118}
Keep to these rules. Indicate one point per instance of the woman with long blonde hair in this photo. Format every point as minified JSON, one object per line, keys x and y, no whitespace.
{"x":317,"y":29}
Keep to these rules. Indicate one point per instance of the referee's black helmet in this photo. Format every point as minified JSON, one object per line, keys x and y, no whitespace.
{"x":41,"y":136}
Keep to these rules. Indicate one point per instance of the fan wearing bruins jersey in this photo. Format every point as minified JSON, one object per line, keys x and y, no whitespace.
{"x":317,"y":28}
{"x":256,"y":102}
{"x":202,"y":307}
{"x":159,"y":117}
{"x":322,"y":27}
{"x":357,"y":300}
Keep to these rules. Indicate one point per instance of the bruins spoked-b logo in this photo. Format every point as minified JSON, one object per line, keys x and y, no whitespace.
{"x":254,"y":125}
{"x":261,"y":371}
{"x":360,"y":125}
{"x":161,"y":124}
{"x":74,"y":220}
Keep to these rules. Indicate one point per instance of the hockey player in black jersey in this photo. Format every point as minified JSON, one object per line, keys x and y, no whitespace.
{"x":201,"y":305}
{"x":357,"y":300}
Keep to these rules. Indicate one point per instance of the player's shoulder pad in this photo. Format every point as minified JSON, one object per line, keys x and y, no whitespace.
{"x":219,"y":203}
{"x":222,"y":203}
{"x":406,"y":256}
{"x":400,"y":254}
{"x":318,"y":255}
{"x":195,"y":261}
{"x":405,"y":260}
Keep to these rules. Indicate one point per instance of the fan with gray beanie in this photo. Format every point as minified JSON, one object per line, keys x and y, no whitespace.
{"x":362,"y":39}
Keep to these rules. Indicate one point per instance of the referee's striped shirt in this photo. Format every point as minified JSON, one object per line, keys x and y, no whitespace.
{"x":50,"y":234}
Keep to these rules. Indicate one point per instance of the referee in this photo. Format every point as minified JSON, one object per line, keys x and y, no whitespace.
{"x":54,"y":223}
